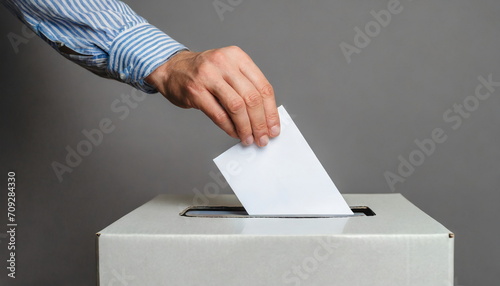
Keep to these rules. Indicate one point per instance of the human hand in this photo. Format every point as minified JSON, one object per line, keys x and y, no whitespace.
{"x":227,"y":86}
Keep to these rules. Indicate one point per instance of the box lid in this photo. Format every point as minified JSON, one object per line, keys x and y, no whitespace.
{"x":395,"y":215}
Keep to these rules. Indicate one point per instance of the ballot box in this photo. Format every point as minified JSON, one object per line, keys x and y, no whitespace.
{"x":171,"y":241}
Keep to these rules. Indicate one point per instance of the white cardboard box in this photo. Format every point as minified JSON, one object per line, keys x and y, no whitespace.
{"x":154,"y":245}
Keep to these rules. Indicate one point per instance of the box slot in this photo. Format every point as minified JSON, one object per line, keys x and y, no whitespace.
{"x":240,"y":212}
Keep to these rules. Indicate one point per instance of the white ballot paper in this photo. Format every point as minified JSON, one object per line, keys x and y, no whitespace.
{"x":284,"y":178}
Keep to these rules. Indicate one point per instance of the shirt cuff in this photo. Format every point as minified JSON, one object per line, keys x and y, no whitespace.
{"x":138,"y":51}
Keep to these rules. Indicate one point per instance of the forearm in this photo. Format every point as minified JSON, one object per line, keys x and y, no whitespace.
{"x":105,"y":37}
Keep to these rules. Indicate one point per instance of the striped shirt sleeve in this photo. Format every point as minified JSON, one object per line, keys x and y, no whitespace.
{"x":104,"y":36}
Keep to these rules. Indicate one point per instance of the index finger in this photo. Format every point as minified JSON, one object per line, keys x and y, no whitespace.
{"x":257,"y":78}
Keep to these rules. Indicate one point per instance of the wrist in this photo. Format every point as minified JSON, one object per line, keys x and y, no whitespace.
{"x":159,"y":76}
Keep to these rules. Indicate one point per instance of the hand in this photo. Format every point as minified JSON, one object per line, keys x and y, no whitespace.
{"x":227,"y":86}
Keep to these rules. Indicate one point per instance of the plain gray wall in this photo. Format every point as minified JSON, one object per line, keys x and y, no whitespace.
{"x":358,"y":118}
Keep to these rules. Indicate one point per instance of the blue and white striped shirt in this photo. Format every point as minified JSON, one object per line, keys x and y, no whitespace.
{"x":104,"y":36}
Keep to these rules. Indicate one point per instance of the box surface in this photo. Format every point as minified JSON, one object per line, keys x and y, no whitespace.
{"x":155,"y":245}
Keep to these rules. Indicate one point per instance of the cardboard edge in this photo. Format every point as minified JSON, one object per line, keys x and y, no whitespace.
{"x":97,"y":235}
{"x":451,"y":254}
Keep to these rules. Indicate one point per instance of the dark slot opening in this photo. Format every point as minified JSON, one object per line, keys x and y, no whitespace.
{"x":240,"y":212}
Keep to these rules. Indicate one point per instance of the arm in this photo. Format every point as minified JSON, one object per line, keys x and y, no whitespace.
{"x":105,"y":37}
{"x":109,"y":39}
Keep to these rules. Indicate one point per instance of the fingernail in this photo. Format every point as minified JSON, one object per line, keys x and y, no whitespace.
{"x":264,"y":140}
{"x":275,"y":131}
{"x":248,"y":141}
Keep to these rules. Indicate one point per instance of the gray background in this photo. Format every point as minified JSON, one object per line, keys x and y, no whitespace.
{"x":357,"y":117}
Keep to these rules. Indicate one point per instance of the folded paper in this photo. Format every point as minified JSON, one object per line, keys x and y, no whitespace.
{"x":283,"y":178}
